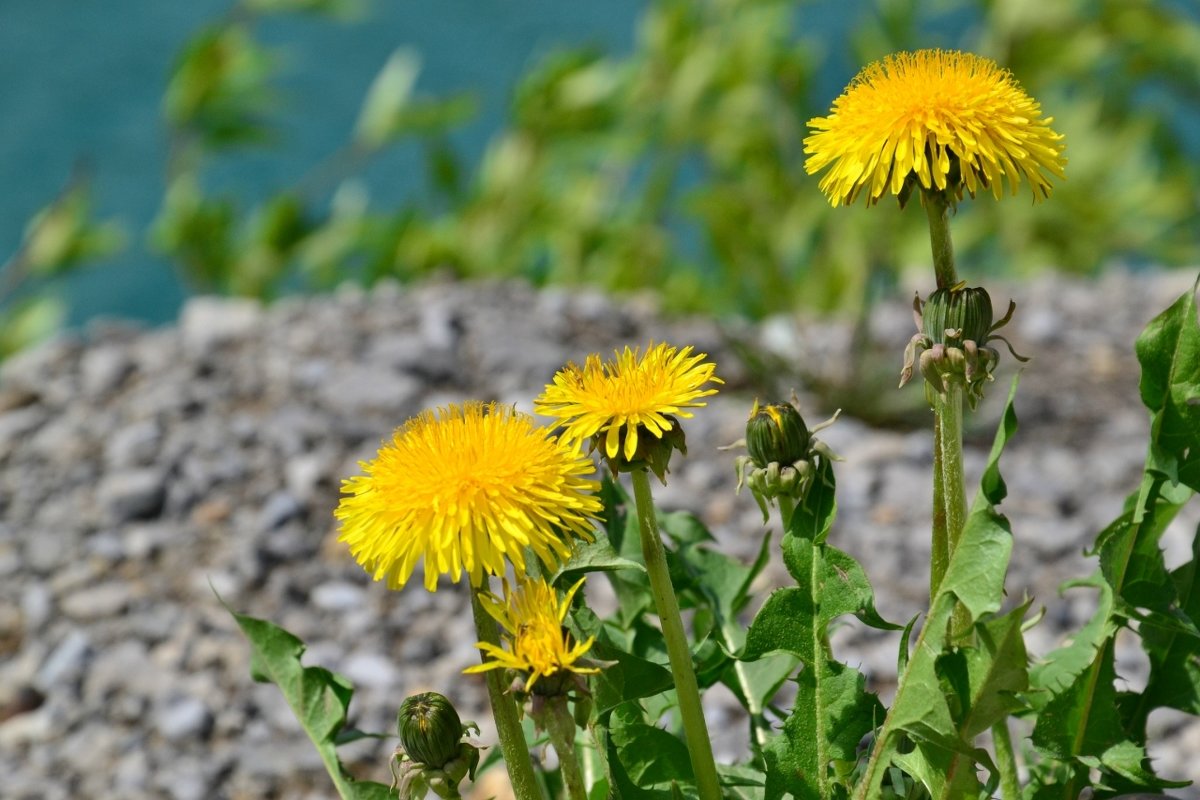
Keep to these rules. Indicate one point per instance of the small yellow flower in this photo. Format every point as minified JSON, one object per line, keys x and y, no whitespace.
{"x":630,"y":393}
{"x":919,"y":113}
{"x":532,"y":618}
{"x":464,"y":490}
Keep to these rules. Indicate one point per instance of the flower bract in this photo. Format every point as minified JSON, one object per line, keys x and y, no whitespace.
{"x":632,"y":393}
{"x":532,"y":617}
{"x":463,"y":490}
{"x":943,"y":118}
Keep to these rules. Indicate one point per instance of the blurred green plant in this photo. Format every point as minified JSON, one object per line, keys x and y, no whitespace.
{"x":679,"y":165}
{"x":59,"y":239}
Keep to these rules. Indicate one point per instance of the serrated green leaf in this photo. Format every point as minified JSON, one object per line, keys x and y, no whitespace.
{"x":921,"y":710}
{"x":684,"y":528}
{"x":319,"y":698}
{"x":997,"y":672}
{"x":1174,"y":656}
{"x":629,"y":677}
{"x":813,"y":518}
{"x":631,"y":588}
{"x":652,"y":757}
{"x":935,"y":768}
{"x":1129,"y":761}
{"x":597,"y":556}
{"x":1083,"y":719}
{"x":832,"y":713}
{"x":755,"y":683}
{"x":1169,"y":353}
{"x":1131,"y":560}
{"x":832,"y":710}
{"x":1060,"y":668}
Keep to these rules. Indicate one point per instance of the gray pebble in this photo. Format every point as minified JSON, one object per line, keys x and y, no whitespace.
{"x":133,"y":494}
{"x":98,"y":602}
{"x":207,"y":322}
{"x":338,"y":596}
{"x":104,"y":368}
{"x":182,"y":717}
{"x":134,"y":445}
{"x":66,"y":660}
{"x":280,"y":507}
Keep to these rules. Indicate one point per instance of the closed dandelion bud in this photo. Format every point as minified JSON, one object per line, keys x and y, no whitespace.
{"x":954,"y":344}
{"x":958,"y":309}
{"x":430,"y":729}
{"x":776,"y":433}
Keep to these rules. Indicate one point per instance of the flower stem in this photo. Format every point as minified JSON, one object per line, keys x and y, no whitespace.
{"x":1006,"y":762}
{"x":937,"y":208}
{"x":688,"y":691}
{"x":504,"y":709}
{"x":949,"y":493}
{"x":560,"y":726}
{"x":787,"y":506}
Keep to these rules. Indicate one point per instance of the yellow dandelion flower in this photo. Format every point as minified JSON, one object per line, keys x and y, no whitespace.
{"x":532,"y":618}
{"x":931,"y":114}
{"x":463,"y":490}
{"x":630,"y":393}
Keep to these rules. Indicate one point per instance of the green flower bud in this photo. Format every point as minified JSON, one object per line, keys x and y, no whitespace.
{"x":776,"y":433}
{"x":430,"y":729}
{"x":958,"y":309}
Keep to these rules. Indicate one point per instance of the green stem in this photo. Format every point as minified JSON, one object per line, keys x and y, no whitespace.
{"x":504,"y":709}
{"x":949,"y":494}
{"x":560,"y":726}
{"x":733,"y":637}
{"x":787,"y":506}
{"x":691,"y":712}
{"x":937,"y":208}
{"x":1006,"y":762}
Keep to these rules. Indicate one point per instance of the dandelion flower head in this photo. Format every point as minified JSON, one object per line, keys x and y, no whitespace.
{"x":463,"y":490}
{"x":532,"y":617}
{"x":631,"y":392}
{"x":930,"y":114}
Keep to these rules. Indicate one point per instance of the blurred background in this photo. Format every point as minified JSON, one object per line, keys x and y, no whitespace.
{"x":263,"y":147}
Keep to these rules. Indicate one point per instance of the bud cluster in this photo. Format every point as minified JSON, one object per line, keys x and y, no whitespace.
{"x":782,"y":454}
{"x":953,"y":343}
{"x":432,"y":754}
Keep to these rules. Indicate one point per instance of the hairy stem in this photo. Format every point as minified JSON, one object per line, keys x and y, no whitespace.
{"x":949,"y":493}
{"x":504,"y":709}
{"x":560,"y":727}
{"x":937,"y":208}
{"x":1006,"y":762}
{"x":688,"y":691}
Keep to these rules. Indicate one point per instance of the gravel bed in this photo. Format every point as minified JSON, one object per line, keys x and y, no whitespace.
{"x":142,"y":470}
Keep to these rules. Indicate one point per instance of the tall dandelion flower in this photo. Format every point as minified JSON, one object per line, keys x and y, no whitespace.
{"x":946,"y":119}
{"x":614,"y":404}
{"x":463,"y":490}
{"x":532,"y":617}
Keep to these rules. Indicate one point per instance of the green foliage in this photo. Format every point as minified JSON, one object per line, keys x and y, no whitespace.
{"x":1083,"y":722}
{"x":319,"y":699}
{"x":951,"y":690}
{"x":679,"y":166}
{"x":59,"y":239}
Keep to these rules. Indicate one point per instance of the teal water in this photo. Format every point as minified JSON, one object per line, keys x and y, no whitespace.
{"x":83,"y":79}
